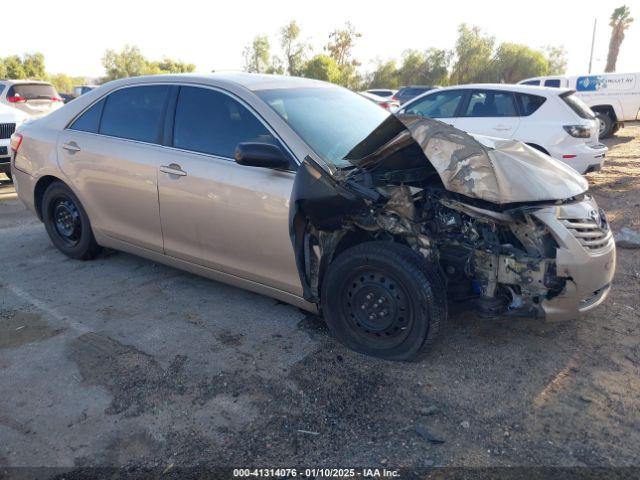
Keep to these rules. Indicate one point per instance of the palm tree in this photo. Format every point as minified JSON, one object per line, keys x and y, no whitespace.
{"x":620,"y":21}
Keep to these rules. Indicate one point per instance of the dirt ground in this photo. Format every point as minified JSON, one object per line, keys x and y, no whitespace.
{"x":124,"y":362}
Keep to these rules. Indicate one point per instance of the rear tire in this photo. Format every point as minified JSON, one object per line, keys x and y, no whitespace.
{"x":67,"y":223}
{"x":383,"y":299}
{"x":606,"y":125}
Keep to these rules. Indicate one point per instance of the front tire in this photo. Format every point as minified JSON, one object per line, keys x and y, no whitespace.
{"x":383,"y":299}
{"x":67,"y":223}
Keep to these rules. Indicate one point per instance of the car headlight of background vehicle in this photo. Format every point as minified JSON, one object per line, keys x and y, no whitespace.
{"x":578,"y":131}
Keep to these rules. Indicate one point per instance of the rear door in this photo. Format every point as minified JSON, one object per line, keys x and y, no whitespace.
{"x":111,"y":154}
{"x":219,"y":214}
{"x":441,"y":105}
{"x":489,"y":112}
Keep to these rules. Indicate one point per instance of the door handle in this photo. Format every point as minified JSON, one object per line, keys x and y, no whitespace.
{"x":173,"y":169}
{"x":71,"y":147}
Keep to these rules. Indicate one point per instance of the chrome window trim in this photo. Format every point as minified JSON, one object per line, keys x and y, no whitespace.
{"x":183,"y":84}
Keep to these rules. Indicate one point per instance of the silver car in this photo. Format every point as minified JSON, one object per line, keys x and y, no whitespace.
{"x":311,"y":194}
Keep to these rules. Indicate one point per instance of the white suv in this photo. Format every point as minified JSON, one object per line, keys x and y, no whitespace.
{"x":551,"y":120}
{"x":10,"y":119}
{"x":33,"y":98}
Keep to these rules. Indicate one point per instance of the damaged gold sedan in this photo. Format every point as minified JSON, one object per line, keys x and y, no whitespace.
{"x":311,"y":194}
{"x":424,"y":213}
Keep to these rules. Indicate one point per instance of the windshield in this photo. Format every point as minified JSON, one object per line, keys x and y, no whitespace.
{"x":33,"y":91}
{"x":331,"y":120}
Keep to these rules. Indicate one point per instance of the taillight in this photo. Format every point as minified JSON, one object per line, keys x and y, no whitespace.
{"x":569,"y":155}
{"x":16,"y":141}
{"x":16,"y":99}
{"x":56,"y":99}
{"x":578,"y":131}
{"x":385,"y":105}
{"x":395,"y":98}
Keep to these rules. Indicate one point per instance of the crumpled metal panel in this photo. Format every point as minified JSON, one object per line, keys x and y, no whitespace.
{"x":496,"y":170}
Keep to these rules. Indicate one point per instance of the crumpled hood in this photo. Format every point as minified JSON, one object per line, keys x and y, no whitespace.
{"x":492,"y":169}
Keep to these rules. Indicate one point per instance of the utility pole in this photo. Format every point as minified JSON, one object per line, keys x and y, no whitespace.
{"x":593,"y":41}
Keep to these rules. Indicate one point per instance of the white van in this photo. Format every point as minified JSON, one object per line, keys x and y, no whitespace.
{"x":614,"y":97}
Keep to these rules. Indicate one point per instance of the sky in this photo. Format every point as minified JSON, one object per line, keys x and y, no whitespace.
{"x":212,"y":35}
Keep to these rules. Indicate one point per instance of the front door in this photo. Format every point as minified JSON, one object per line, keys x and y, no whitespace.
{"x":217,"y":213}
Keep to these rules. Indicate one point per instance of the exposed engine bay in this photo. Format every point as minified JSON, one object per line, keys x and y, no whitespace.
{"x":456,"y":206}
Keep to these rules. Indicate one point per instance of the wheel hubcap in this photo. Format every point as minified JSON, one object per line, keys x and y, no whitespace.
{"x":67,"y":220}
{"x":376,"y":307}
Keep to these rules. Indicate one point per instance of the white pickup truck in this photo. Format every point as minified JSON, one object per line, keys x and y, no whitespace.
{"x":613,"y":97}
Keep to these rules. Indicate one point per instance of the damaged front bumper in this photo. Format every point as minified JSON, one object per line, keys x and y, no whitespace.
{"x":585,"y":257}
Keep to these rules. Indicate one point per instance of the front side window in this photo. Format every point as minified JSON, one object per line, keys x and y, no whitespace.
{"x":89,"y":121}
{"x":135,"y":113}
{"x":212,"y":122}
{"x":490,"y":103}
{"x":437,"y":105}
{"x":554,"y":83}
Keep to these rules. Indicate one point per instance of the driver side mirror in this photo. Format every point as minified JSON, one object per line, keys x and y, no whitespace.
{"x":265,"y":155}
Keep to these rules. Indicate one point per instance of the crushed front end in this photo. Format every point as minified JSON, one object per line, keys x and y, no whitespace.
{"x":511,"y":231}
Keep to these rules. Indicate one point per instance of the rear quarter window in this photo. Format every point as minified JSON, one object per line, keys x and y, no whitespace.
{"x":528,"y":103}
{"x":89,"y":121}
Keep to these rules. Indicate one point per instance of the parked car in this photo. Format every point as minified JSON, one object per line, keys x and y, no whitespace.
{"x":408,"y":93}
{"x":551,"y":120}
{"x":34,"y":98}
{"x":614,"y":97}
{"x":82,"y":89}
{"x":385,"y":93}
{"x":309,"y":193}
{"x":10,"y":118}
{"x":386,"y":103}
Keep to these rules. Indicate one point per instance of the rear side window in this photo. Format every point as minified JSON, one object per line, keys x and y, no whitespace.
{"x":554,"y":82}
{"x":577,"y":105}
{"x":33,"y":91}
{"x":212,"y":122}
{"x":89,"y":121}
{"x":529,"y":103}
{"x":437,"y":105}
{"x":490,"y":103}
{"x":135,"y":113}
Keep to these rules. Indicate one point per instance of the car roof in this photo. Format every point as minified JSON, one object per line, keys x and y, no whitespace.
{"x":546,"y":91}
{"x":18,"y":81}
{"x":250,"y":81}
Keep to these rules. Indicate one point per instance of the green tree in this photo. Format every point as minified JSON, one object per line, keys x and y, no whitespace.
{"x":14,"y":67}
{"x":620,"y":21}
{"x":514,"y":62}
{"x":257,"y":55}
{"x":340,"y":48}
{"x":557,"y":58}
{"x":425,"y":68}
{"x":128,"y":62}
{"x":412,"y":67}
{"x":341,"y":43}
{"x":385,"y":75}
{"x":295,"y":50}
{"x":168,"y":65}
{"x":322,"y":67}
{"x":474,"y":53}
{"x":3,"y":69}
{"x":33,"y":65}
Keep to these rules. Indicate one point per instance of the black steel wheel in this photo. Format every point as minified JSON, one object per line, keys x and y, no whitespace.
{"x":383,"y":299}
{"x":67,"y":223}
